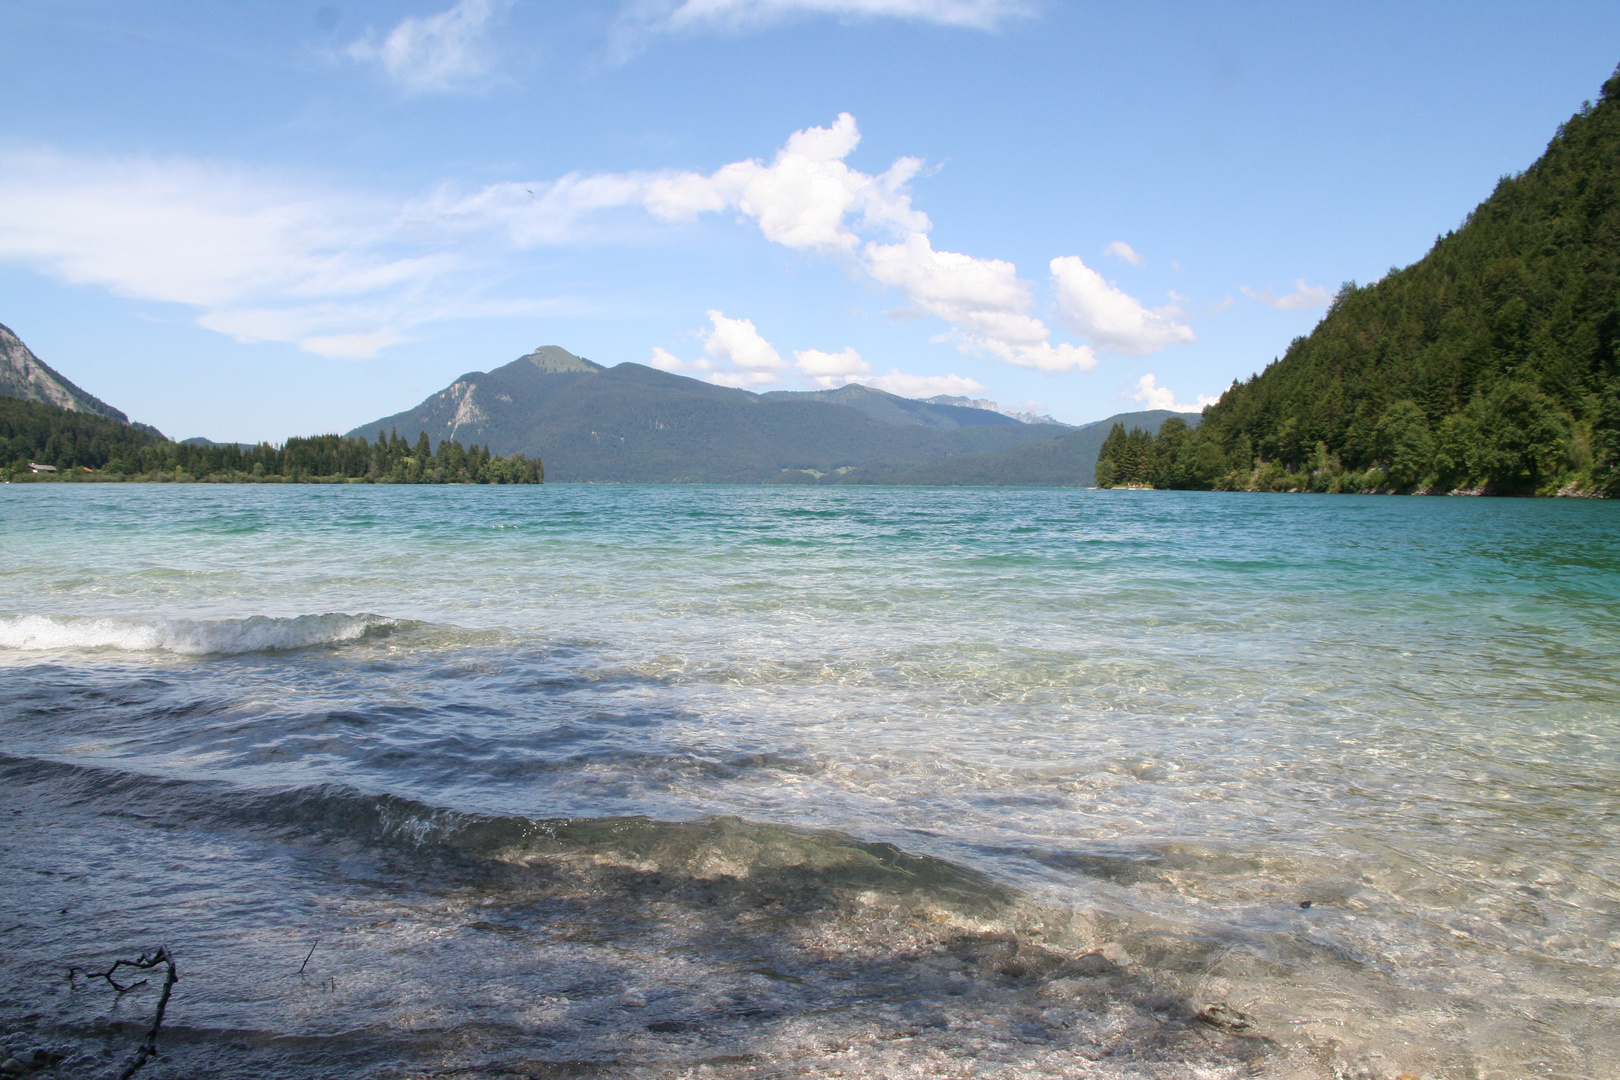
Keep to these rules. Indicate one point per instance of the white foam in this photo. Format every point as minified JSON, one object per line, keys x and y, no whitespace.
{"x":187,"y":637}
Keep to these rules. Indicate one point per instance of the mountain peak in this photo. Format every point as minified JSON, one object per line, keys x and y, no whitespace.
{"x":989,"y":406}
{"x":553,"y":359}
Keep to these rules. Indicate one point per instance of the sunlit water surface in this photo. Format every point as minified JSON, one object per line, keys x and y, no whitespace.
{"x":772,"y":782}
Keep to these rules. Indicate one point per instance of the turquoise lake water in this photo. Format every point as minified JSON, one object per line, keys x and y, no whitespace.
{"x":628,"y":780}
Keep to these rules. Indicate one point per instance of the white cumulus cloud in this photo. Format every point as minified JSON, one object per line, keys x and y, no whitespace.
{"x":1304,"y":296}
{"x":1154,"y":396}
{"x":737,"y":355}
{"x":1119,"y":249}
{"x":664,"y":360}
{"x":1112,"y":319}
{"x":831,"y":369}
{"x":436,"y":53}
{"x":805,"y":196}
{"x":983,"y":300}
{"x":737,"y":342}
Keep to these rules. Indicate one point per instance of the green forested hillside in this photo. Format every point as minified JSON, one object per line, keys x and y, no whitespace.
{"x":633,"y":424}
{"x":1491,"y":364}
{"x":82,"y":445}
{"x":1171,"y":459}
{"x":65,"y":438}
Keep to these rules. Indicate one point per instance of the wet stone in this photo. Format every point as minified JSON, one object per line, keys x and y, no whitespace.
{"x":1091,"y":966}
{"x":1224,"y":1017}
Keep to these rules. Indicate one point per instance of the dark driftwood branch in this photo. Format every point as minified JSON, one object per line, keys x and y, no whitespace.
{"x":162,"y":956}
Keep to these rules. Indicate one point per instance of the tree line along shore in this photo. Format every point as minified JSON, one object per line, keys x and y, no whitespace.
{"x":42,"y":443}
{"x":1521,"y":448}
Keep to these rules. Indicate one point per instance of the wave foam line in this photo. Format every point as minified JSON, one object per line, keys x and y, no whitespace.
{"x":186,"y":637}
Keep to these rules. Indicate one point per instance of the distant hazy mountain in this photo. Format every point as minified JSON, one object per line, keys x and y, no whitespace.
{"x":210,"y":444}
{"x":890,"y":409}
{"x":981,"y":403}
{"x":632,"y":423}
{"x":24,"y":375}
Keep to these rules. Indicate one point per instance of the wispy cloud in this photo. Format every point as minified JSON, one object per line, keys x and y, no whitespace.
{"x":1122,"y":251}
{"x":442,"y":53}
{"x":262,"y":258}
{"x":1304,"y":296}
{"x":1154,"y":396}
{"x":743,"y":14}
{"x":642,"y":21}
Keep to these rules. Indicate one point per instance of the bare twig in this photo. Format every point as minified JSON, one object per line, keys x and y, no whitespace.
{"x":307,"y":955}
{"x":148,"y":1047}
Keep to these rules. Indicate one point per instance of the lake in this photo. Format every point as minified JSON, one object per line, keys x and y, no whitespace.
{"x":732,"y":781}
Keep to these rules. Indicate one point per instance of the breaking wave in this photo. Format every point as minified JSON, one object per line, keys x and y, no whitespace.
{"x":187,"y":637}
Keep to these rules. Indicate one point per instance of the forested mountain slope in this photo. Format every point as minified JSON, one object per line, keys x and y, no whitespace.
{"x":634,"y":424}
{"x":1491,"y":364}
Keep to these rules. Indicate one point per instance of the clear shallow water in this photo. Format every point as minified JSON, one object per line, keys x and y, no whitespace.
{"x":642,"y":780}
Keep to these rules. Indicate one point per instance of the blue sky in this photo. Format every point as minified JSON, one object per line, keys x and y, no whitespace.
{"x":252,"y":220}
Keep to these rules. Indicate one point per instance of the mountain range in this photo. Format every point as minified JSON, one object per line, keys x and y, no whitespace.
{"x":634,"y":424}
{"x":627,"y":423}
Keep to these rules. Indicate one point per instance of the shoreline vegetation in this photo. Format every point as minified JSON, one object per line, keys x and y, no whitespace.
{"x":1490,"y":366}
{"x":80,"y":447}
{"x":1175,"y":459}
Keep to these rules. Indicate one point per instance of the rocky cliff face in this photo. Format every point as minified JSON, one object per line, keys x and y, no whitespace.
{"x":24,"y":375}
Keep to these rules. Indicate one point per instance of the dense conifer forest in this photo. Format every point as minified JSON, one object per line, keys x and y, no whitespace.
{"x":1492,"y":365}
{"x":84,"y":446}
